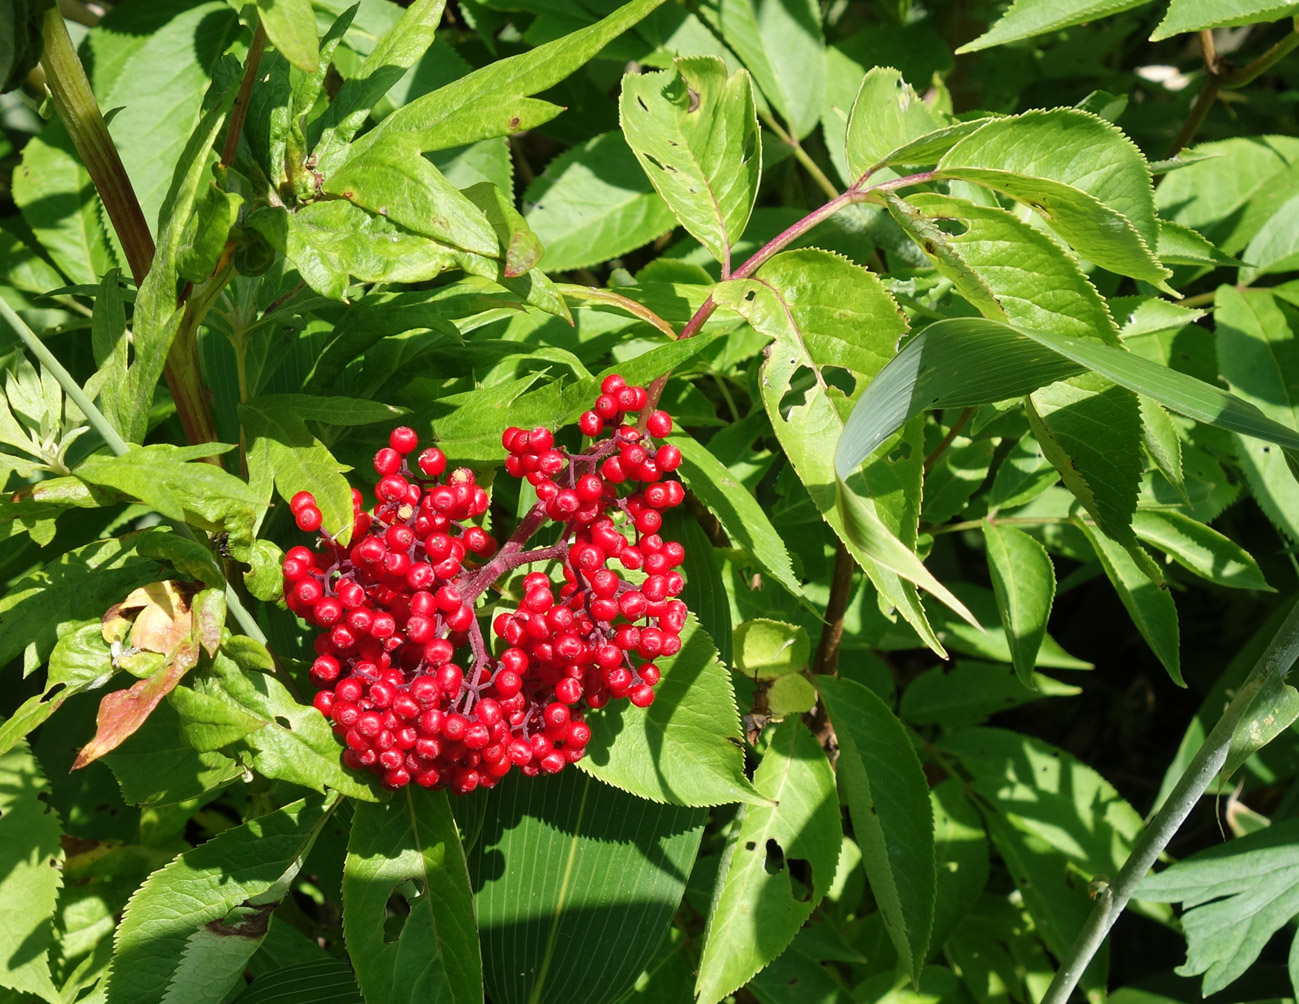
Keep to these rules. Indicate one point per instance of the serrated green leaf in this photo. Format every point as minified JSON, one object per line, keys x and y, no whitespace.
{"x":494,"y":100}
{"x":293,"y":742}
{"x":685,"y":747}
{"x":1163,"y":444}
{"x":109,"y":343}
{"x":767,"y":649}
{"x":1150,"y":606}
{"x":397,"y":51}
{"x":1092,"y":435}
{"x":576,"y":883}
{"x":1234,"y":897}
{"x":593,"y":203}
{"x":332,"y":242}
{"x":1179,"y":245}
{"x":410,"y":846}
{"x":80,"y":661}
{"x":888,"y":798}
{"x":1023,"y":579}
{"x":1199,"y":548}
{"x":291,"y":27}
{"x":823,"y":311}
{"x":1258,"y":358}
{"x":1080,"y":173}
{"x":781,"y":44}
{"x":927,"y":149}
{"x":283,"y":448}
{"x":745,"y":521}
{"x":695,"y":133}
{"x":171,"y":480}
{"x":74,"y":588}
{"x":759,"y":905}
{"x":520,"y":248}
{"x":1197,"y":15}
{"x":226,"y":887}
{"x":1041,"y":287}
{"x":705,"y":593}
{"x":30,"y":876}
{"x":1150,"y":315}
{"x":886,"y":115}
{"x":1027,"y":18}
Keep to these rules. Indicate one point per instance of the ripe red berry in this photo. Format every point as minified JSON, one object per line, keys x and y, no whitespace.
{"x":403,"y":439}
{"x":309,"y":519}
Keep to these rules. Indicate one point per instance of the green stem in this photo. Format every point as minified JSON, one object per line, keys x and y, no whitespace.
{"x":800,"y":155}
{"x":114,"y":442}
{"x":1274,"y":663}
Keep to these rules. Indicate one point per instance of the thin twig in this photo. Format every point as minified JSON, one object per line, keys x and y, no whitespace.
{"x":952,"y":433}
{"x":235,"y":123}
{"x":1274,"y":663}
{"x":826,"y":660}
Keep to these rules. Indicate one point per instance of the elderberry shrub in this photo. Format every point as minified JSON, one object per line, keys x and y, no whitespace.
{"x":403,"y":670}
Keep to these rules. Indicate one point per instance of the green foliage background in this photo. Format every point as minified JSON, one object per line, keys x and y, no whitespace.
{"x":977,"y":320}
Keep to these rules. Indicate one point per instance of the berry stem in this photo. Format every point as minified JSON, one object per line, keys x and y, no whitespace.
{"x":509,"y":557}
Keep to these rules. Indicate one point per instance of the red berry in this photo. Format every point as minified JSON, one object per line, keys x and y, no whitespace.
{"x":300,"y":501}
{"x":309,"y":518}
{"x":403,"y":439}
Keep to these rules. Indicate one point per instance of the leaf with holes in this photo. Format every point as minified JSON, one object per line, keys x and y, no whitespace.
{"x":1039,"y":285}
{"x":426,"y":948}
{"x":695,"y":133}
{"x":887,"y":794}
{"x":576,"y":884}
{"x":1080,"y":173}
{"x":778,"y":867}
{"x":887,"y":114}
{"x":188,"y":932}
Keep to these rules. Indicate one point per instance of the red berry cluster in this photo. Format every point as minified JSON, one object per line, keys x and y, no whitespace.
{"x":397,"y":605}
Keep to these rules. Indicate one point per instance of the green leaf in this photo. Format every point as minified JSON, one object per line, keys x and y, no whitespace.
{"x":1197,"y":15}
{"x":886,"y":115}
{"x":328,"y":981}
{"x":927,"y":149}
{"x":493,"y":100}
{"x":822,"y":311}
{"x":1042,"y":287}
{"x":961,"y":850}
{"x":780,"y":43}
{"x":576,"y":883}
{"x":109,"y":343}
{"x":77,"y":587}
{"x":767,"y":649}
{"x":685,"y":747}
{"x":410,"y":847}
{"x":398,"y":184}
{"x":190,"y":929}
{"x":205,"y":238}
{"x":521,"y":248}
{"x":1199,"y":548}
{"x":1026,"y":18}
{"x":745,"y":521}
{"x":1258,"y":358}
{"x":291,"y":27}
{"x":888,"y":797}
{"x":1234,"y":897}
{"x":1179,"y":245}
{"x":397,"y":51}
{"x":30,"y":875}
{"x":171,"y":480}
{"x":1092,"y":435}
{"x":236,"y":705}
{"x":59,"y":204}
{"x":695,"y":133}
{"x":1077,"y":171}
{"x":1150,"y":605}
{"x":157,"y":316}
{"x":760,"y":904}
{"x":80,"y":661}
{"x":1023,"y":579}
{"x":334,"y":241}
{"x":1273,"y":710}
{"x":280,"y":446}
{"x":960,"y":362}
{"x":971,"y":691}
{"x":593,"y":203}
